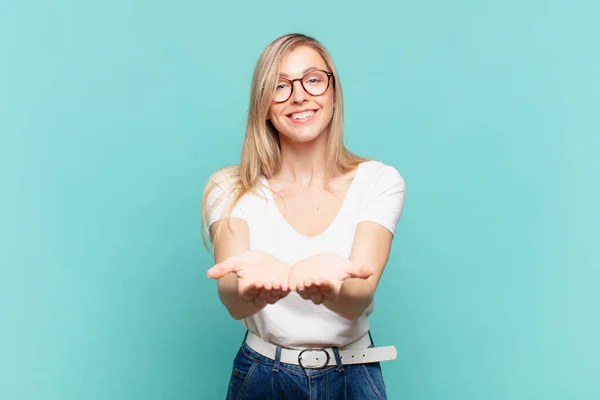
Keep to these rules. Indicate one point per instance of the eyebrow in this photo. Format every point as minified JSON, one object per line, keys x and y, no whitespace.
{"x":303,"y":72}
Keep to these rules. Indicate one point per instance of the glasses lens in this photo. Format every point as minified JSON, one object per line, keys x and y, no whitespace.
{"x":282,"y":90}
{"x":316,"y":82}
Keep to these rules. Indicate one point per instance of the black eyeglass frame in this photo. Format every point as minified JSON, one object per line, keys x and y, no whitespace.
{"x":291,"y":81}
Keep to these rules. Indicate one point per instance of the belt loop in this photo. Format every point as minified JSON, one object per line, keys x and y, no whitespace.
{"x":338,"y":360}
{"x":277,"y":359}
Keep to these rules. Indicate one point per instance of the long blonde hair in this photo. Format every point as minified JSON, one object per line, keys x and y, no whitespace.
{"x":261,"y":153}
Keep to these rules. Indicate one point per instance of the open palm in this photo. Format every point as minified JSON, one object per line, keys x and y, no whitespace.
{"x":320,"y":278}
{"x":262,"y":278}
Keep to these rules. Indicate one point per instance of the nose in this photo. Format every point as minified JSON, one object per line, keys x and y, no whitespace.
{"x":299,"y":96}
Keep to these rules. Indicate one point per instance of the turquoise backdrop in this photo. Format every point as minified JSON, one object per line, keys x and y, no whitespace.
{"x":114,"y":113}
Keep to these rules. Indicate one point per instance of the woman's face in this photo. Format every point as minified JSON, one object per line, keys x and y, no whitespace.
{"x":302,"y":117}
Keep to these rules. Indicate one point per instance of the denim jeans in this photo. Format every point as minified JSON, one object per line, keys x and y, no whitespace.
{"x":256,"y":377}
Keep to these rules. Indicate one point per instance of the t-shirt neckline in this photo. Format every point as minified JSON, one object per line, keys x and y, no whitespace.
{"x":347,"y":199}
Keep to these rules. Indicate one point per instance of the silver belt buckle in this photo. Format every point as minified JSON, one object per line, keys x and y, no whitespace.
{"x":326,"y":359}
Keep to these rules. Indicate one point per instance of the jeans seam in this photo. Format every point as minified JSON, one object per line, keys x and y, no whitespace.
{"x":239,"y":374}
{"x":247,"y":379}
{"x":371,"y":383}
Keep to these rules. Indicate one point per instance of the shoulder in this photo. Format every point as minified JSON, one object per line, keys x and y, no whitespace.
{"x":221,"y":195}
{"x":226,"y":186}
{"x":229,"y":173}
{"x":224,"y":180}
{"x":384,"y":193}
{"x":381,"y":175}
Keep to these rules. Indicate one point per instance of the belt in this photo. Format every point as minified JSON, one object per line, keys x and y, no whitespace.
{"x":357,"y":352}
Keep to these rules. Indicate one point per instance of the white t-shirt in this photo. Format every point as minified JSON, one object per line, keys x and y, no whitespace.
{"x":376,"y":194}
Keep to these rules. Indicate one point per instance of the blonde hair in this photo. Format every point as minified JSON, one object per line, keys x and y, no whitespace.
{"x":261,"y":153}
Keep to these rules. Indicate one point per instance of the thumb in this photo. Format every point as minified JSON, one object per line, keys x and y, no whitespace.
{"x":362,"y":272}
{"x":223,"y":268}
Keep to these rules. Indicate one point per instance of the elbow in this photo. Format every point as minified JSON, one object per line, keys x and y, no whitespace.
{"x":237,"y":317}
{"x":237,"y":314}
{"x":357,"y":311}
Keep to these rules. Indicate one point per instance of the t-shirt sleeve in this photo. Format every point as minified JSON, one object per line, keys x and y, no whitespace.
{"x":385,"y":199}
{"x":218,"y":200}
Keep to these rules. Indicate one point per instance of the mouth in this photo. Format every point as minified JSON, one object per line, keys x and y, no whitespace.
{"x":302,"y":116}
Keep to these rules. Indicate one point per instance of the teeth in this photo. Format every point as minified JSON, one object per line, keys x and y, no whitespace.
{"x":303,"y":115}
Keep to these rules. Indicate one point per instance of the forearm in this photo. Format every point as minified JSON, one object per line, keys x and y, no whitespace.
{"x":354,"y":298}
{"x":230,"y":297}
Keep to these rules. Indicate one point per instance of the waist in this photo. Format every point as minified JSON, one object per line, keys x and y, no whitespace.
{"x":360,"y":351}
{"x":295,"y":323}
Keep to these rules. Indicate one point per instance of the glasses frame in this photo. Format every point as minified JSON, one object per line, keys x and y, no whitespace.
{"x":291,"y":81}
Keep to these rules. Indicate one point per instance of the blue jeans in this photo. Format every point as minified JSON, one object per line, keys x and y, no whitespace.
{"x":256,"y":377}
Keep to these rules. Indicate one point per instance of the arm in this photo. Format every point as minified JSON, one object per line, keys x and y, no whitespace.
{"x":230,"y":243}
{"x":371,"y":246}
{"x":347,"y":285}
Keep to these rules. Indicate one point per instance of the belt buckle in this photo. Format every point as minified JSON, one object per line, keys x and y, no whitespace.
{"x":327,"y":358}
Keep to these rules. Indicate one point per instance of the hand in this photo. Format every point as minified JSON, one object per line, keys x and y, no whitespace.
{"x":262,"y":278}
{"x":320,"y":277}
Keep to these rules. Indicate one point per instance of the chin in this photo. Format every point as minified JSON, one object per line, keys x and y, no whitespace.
{"x":303,"y":137}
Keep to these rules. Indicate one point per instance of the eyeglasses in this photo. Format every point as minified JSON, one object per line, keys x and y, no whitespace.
{"x":314,"y":83}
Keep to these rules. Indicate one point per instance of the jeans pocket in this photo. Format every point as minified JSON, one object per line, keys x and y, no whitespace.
{"x":241,"y":376}
{"x":374,"y":377}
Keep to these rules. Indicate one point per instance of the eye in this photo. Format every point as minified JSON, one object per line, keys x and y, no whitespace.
{"x":315,"y":78}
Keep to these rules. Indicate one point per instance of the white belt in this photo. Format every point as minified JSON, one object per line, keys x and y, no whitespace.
{"x":357,"y":352}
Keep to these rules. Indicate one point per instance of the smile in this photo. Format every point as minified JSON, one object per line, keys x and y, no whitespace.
{"x":302,"y":116}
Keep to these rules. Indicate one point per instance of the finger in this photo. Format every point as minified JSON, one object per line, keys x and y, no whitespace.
{"x":221,"y":269}
{"x":327,"y":291}
{"x":362,"y":272}
{"x":261,"y":298}
{"x":259,"y":302}
{"x":297,"y":285}
{"x":283,"y":293}
{"x":293,"y":282}
{"x":308,"y":282}
{"x":268,"y":285}
{"x":259,"y":284}
{"x":314,"y":290}
{"x":282,"y":286}
{"x":264,"y":295}
{"x":274,"y":296}
{"x":248,"y":291}
{"x":304,"y":293}
{"x":315,"y":294}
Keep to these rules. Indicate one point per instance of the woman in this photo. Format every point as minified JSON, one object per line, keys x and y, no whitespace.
{"x":301,"y":232}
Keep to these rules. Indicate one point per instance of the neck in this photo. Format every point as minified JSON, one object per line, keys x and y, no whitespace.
{"x":303,"y":163}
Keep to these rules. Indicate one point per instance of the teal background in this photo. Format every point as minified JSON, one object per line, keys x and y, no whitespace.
{"x":113,"y":114}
